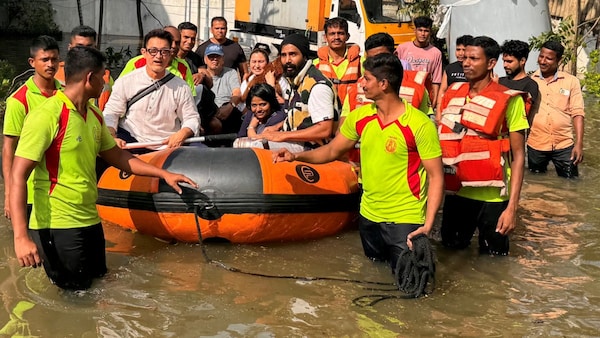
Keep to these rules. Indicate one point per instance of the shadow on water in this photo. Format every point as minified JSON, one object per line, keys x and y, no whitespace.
{"x":547,"y":286}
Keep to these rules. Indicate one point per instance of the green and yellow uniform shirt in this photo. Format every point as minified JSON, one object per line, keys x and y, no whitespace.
{"x":394,"y":179}
{"x":65,"y":144}
{"x":18,"y":105}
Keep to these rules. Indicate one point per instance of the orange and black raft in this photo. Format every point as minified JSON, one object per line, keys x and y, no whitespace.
{"x":242,"y":197}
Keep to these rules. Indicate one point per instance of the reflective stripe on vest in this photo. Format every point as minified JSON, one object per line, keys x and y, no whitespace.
{"x":472,"y":154}
{"x":351,"y":76}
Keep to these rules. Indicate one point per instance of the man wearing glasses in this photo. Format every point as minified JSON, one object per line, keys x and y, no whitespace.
{"x":166,"y":114}
{"x":179,"y":67}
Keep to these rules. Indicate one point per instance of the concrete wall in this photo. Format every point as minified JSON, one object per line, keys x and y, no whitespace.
{"x":120,"y":16}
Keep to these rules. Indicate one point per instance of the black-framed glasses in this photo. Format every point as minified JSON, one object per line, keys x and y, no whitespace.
{"x":163,"y":52}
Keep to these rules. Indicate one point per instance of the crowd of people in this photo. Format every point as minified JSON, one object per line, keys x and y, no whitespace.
{"x":457,"y":137}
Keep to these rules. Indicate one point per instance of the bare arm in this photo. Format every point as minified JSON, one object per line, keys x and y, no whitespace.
{"x":508,"y":219}
{"x":25,"y":249}
{"x":435,"y":194}
{"x":8,"y":153}
{"x":327,"y":153}
{"x":243,"y":68}
{"x":435,"y":89}
{"x":577,"y":154}
{"x":443,"y":88}
{"x":124,"y":160}
{"x":318,"y":131}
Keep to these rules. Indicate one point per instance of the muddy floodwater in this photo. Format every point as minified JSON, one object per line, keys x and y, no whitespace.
{"x":548,"y":286}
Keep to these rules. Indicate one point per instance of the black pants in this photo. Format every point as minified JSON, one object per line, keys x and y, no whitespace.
{"x":384,"y":241}
{"x":463,"y":215}
{"x":537,"y":161}
{"x":72,"y":258}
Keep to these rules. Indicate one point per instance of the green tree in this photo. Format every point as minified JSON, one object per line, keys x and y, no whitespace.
{"x":34,"y":17}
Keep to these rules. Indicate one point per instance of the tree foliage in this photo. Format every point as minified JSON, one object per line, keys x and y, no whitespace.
{"x":591,"y":81}
{"x":565,"y":33}
{"x":34,"y":17}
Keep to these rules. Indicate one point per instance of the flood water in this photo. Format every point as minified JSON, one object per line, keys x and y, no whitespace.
{"x":546,"y":287}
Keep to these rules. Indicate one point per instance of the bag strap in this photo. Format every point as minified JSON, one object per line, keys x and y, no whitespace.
{"x":139,"y":95}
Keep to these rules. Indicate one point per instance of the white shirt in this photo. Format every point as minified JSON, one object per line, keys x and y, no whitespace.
{"x":157,"y":115}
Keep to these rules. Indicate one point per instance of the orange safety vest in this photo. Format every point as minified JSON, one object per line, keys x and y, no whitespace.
{"x":473,"y":136}
{"x":413,"y":87}
{"x":348,"y":82}
{"x":106,"y":90}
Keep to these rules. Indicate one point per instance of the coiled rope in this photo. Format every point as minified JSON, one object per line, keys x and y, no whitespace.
{"x":417,"y":266}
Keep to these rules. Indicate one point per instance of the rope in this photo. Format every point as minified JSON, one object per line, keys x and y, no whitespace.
{"x":210,"y":205}
{"x":415,"y":269}
{"x":414,"y":274}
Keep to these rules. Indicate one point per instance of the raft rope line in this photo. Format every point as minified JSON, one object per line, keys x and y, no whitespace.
{"x":415,"y":270}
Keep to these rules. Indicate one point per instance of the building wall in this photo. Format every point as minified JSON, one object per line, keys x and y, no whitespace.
{"x":120,"y":16}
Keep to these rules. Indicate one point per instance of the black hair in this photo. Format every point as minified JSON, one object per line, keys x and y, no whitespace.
{"x":42,"y":42}
{"x":555,"y":46}
{"x":82,"y":60}
{"x":380,"y":40}
{"x":85,"y":31}
{"x":218,"y":18}
{"x":423,"y":21}
{"x":489,"y":45}
{"x":262,"y":51}
{"x":336,"y":22}
{"x":187,"y":25}
{"x":464,"y":40}
{"x":265,"y":92}
{"x":386,"y":67}
{"x":516,"y":48}
{"x":158,"y":33}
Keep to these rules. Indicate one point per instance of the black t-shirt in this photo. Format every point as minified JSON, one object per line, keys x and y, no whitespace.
{"x":195,"y":61}
{"x":455,"y":73}
{"x":234,"y":54}
{"x":525,"y":84}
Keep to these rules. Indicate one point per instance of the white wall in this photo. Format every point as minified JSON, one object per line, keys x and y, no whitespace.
{"x":120,"y":16}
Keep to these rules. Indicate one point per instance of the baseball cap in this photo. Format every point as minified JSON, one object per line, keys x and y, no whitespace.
{"x":214,"y":49}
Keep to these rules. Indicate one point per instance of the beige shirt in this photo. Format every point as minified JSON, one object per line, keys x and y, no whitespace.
{"x":157,"y":115}
{"x":560,"y":101}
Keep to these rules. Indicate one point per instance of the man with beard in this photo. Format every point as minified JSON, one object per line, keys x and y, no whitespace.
{"x":340,"y":62}
{"x":514,"y":57}
{"x":312,"y":106}
{"x":482,"y":133}
{"x":399,"y":146}
{"x":43,"y":58}
{"x":560,"y":114}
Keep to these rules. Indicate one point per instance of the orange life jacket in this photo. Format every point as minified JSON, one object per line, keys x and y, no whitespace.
{"x":473,"y":136}
{"x":350,"y":79}
{"x":413,"y":87}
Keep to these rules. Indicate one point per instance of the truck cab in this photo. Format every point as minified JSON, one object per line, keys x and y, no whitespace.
{"x":269,"y":21}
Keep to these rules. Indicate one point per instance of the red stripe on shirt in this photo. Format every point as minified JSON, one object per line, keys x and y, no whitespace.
{"x":53,"y":152}
{"x":182,"y":69}
{"x":98,"y":115}
{"x":414,"y":161}
{"x":362,"y":123}
{"x":21,"y":96}
{"x":140,"y":63}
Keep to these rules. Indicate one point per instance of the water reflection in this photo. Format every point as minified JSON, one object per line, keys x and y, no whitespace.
{"x":547,"y":286}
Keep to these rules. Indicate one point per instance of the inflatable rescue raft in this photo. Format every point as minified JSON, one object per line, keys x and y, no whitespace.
{"x":242,"y":197}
